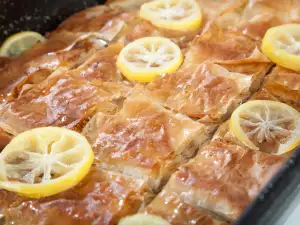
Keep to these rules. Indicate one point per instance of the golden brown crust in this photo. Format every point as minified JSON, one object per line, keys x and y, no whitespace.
{"x":32,"y":61}
{"x":52,"y":103}
{"x":72,"y":80}
{"x":21,"y":72}
{"x":224,"y":178}
{"x":102,"y":198}
{"x":255,"y":17}
{"x":143,"y":140}
{"x":210,"y":85}
{"x":89,"y":20}
{"x":284,"y":84}
{"x":169,"y":206}
{"x":95,"y":86}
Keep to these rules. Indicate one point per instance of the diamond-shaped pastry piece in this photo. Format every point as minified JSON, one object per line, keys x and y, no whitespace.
{"x":144,"y":140}
{"x":224,"y":178}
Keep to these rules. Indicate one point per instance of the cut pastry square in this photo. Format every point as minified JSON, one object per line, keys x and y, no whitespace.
{"x":144,"y":140}
{"x":100,"y":198}
{"x":209,"y":94}
{"x":284,"y":84}
{"x":226,"y":47}
{"x":224,"y":178}
{"x":255,"y":17}
{"x":170,"y":206}
{"x":60,"y":100}
{"x":41,"y":67}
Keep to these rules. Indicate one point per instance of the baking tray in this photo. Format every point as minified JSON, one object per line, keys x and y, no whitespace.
{"x":38,"y":15}
{"x":277,"y":199}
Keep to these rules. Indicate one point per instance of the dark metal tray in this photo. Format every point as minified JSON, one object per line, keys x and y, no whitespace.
{"x":273,"y":204}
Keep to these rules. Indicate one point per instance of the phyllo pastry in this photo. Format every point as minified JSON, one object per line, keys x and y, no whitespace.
{"x":100,"y":198}
{"x":270,"y":120}
{"x":89,"y":20}
{"x":123,"y":21}
{"x":95,"y":85}
{"x":54,"y":102}
{"x":144,"y":140}
{"x":15,"y":68}
{"x":255,"y":17}
{"x":170,"y":206}
{"x":224,"y":178}
{"x":5,"y":138}
{"x":284,"y":84}
{"x":220,"y":70}
{"x":39,"y":68}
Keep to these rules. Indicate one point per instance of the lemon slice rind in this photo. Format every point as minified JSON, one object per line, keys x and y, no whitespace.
{"x":276,"y":50}
{"x":75,"y":171}
{"x":20,"y":42}
{"x":157,"y":51}
{"x":236,"y":128}
{"x":160,"y":13}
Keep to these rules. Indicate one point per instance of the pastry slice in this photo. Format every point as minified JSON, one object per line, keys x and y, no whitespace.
{"x":220,"y":70}
{"x":101,"y":66}
{"x":60,"y":100}
{"x":101,"y":198}
{"x":224,"y":178}
{"x":69,"y":98}
{"x":172,"y":208}
{"x":144,"y":140}
{"x":254,"y":18}
{"x":35,"y":71}
{"x":284,"y":84}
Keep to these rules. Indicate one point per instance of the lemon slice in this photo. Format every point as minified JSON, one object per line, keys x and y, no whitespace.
{"x":146,"y":58}
{"x":281,"y":44}
{"x":20,"y":42}
{"x":179,"y":15}
{"x":262,"y":124}
{"x":44,"y":161}
{"x":143,"y":219}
